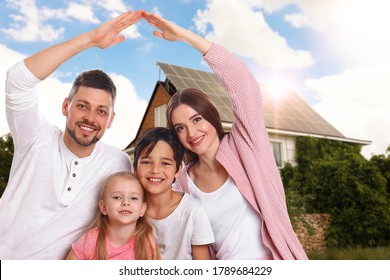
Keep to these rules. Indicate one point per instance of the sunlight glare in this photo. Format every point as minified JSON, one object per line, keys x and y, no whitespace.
{"x":276,"y":87}
{"x":276,"y":90}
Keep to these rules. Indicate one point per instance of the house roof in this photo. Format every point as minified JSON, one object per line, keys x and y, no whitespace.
{"x":286,"y":112}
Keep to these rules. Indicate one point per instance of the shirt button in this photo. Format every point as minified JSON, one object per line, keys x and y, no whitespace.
{"x":74,"y":175}
{"x":76,"y":162}
{"x":69,"y":189}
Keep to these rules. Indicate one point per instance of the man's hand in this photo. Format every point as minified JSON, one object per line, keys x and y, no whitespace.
{"x":107,"y":34}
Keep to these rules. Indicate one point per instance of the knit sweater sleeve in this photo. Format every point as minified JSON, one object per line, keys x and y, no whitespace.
{"x":248,"y":133}
{"x":240,"y":84}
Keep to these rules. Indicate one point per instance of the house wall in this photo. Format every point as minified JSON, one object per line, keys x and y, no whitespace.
{"x":160,"y":98}
{"x":288,"y":147}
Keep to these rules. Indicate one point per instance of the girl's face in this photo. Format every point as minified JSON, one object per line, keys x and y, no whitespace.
{"x":124,"y":201}
{"x":195,"y":133}
{"x":157,"y":171}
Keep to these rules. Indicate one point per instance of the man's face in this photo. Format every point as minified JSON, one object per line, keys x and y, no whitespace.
{"x":88,"y":115}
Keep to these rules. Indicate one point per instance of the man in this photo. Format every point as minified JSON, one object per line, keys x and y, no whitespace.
{"x":56,"y":176}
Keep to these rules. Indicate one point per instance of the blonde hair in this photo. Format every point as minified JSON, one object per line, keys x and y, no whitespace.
{"x":144,"y":238}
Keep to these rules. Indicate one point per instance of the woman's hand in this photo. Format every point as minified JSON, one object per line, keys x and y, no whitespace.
{"x":168,"y":30}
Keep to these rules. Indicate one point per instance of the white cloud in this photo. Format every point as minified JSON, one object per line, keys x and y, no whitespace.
{"x":298,"y":20}
{"x":52,"y":92}
{"x":269,"y":6}
{"x":116,"y":6}
{"x":82,"y":13}
{"x":310,"y":14}
{"x":147,"y":47}
{"x":129,"y":107}
{"x":356,"y":102}
{"x":247,"y":33}
{"x":131,"y":32}
{"x":314,"y":15}
{"x":28,"y":26}
{"x":30,"y":22}
{"x":155,"y":10}
{"x":353,"y":31}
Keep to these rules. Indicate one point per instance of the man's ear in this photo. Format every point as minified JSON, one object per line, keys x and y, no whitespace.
{"x":65,"y":106}
{"x":111,"y":119}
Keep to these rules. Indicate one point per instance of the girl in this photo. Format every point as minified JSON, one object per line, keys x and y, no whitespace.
{"x":120,"y":230}
{"x":233,"y":175}
{"x":180,"y":223}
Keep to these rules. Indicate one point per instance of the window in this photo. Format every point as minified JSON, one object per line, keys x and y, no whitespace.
{"x":277,"y":151}
{"x":159,"y":116}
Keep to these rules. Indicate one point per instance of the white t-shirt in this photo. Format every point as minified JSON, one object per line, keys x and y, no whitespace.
{"x":236,"y":225}
{"x":187,"y":225}
{"x":52,"y":194}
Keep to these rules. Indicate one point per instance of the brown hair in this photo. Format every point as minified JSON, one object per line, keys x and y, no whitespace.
{"x":148,"y":140}
{"x":200,"y":102}
{"x":144,"y":238}
{"x":94,"y":79}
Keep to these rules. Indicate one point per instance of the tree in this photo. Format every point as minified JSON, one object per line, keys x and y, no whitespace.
{"x":6,"y":155}
{"x":383,"y":163}
{"x":333,"y":177}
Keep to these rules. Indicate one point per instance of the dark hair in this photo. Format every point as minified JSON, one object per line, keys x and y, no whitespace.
{"x":201,"y":103}
{"x":149,"y":139}
{"x":94,"y":79}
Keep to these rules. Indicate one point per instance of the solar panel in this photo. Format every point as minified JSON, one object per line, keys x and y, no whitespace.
{"x":287,"y":112}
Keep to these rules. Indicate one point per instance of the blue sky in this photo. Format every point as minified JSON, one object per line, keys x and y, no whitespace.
{"x":333,"y":53}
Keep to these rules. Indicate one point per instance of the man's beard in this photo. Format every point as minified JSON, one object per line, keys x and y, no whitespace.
{"x":80,"y":141}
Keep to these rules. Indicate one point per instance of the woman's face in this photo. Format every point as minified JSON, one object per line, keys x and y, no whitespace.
{"x":195,"y":133}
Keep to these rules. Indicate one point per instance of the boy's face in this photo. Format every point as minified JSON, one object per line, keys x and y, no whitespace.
{"x":157,"y":171}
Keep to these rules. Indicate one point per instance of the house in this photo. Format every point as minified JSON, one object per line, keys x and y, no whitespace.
{"x":286,"y":116}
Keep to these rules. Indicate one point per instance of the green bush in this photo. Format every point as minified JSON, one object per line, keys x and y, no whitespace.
{"x":6,"y":155}
{"x":332,"y":177}
{"x":383,"y":163}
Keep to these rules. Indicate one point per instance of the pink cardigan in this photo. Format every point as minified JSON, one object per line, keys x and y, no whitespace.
{"x":247,"y":156}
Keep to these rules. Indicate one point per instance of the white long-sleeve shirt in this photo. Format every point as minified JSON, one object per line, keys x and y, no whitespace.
{"x":52,"y":194}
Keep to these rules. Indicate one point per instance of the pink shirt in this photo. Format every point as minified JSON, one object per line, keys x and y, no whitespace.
{"x":85,"y":248}
{"x":247,"y":156}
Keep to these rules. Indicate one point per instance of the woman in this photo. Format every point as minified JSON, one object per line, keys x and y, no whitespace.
{"x":233,"y":175}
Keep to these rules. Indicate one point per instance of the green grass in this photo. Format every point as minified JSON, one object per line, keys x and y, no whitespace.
{"x":379,"y":253}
